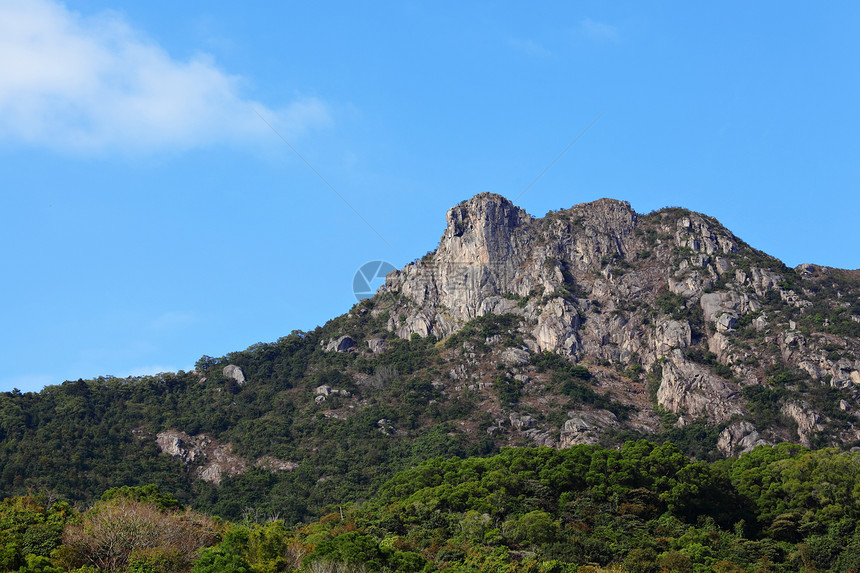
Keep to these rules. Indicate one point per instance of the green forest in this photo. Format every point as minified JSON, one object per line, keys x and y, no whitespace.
{"x":641,"y":508}
{"x":80,"y":438}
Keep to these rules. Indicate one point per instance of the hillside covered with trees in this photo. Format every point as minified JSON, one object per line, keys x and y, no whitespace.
{"x":641,"y":508}
{"x":594,"y":388}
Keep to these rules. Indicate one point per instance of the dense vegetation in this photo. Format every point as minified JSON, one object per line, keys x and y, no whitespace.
{"x":78,"y":439}
{"x":81,"y":438}
{"x":642,"y":508}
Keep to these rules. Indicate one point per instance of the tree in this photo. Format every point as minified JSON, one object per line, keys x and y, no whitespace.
{"x":113,"y":531}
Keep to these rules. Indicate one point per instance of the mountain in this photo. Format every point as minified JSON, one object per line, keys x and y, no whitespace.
{"x":591,"y":325}
{"x":724,"y":333}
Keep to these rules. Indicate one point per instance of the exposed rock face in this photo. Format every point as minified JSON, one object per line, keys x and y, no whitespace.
{"x":323,"y":391}
{"x":376,"y":345}
{"x":221,"y":462}
{"x":342,"y":344}
{"x":671,"y":334}
{"x":211,"y":459}
{"x":515,"y":356}
{"x":600,"y":284}
{"x":275,"y":465}
{"x":540,"y":437}
{"x":326,"y":390}
{"x":521,"y":421}
{"x":235,"y":373}
{"x":179,"y":445}
{"x":690,"y":389}
{"x":491,"y":249}
{"x":586,"y":427}
{"x":495,"y":258}
{"x":738,"y":438}
{"x":215,"y":459}
{"x":807,"y":420}
{"x":556,"y":328}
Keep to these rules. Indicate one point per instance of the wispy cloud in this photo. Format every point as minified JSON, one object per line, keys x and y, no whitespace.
{"x":598,"y":31}
{"x":529,"y":47}
{"x":92,"y":83}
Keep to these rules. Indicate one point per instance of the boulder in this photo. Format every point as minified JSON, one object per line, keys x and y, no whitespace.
{"x":342,"y":344}
{"x":739,"y":438}
{"x":521,"y":422}
{"x":540,"y":438}
{"x":716,"y":304}
{"x":515,"y":357}
{"x":234,"y":373}
{"x":585,"y":427}
{"x":376,"y":345}
{"x":726,"y":321}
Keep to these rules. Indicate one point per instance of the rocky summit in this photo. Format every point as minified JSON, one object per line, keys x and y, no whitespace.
{"x":669,"y":311}
{"x":590,"y":325}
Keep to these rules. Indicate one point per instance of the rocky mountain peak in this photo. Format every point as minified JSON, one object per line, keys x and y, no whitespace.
{"x":673,"y":293}
{"x":485,"y":215}
{"x":485,"y":230}
{"x":493,"y":255}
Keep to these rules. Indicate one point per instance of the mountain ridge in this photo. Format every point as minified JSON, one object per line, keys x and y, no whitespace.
{"x":602,"y":249}
{"x":590,"y":325}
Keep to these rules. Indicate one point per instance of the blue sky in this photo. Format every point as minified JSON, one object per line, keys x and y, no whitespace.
{"x":152,"y":217}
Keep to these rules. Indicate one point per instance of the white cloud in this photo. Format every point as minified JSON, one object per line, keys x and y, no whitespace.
{"x":92,"y":83}
{"x":598,"y":31}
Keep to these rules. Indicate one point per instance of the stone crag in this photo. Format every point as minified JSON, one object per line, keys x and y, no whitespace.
{"x":676,"y":324}
{"x":672,"y":293}
{"x":210,"y":459}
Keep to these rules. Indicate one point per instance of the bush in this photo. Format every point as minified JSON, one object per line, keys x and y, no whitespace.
{"x":112,"y":531}
{"x":763,"y":404}
{"x":214,"y":561}
{"x":507,"y":390}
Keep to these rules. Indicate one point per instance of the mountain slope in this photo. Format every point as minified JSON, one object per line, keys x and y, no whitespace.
{"x":591,"y":325}
{"x":724,"y":331}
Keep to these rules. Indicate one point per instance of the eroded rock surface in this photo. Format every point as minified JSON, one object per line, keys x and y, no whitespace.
{"x":739,"y":438}
{"x":343,"y":343}
{"x":599,"y":284}
{"x":235,"y":373}
{"x":688,"y":388}
{"x":586,"y":427}
{"x":211,"y":460}
{"x":806,"y":419}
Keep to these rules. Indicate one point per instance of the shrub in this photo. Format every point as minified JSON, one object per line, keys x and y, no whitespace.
{"x":114,"y":530}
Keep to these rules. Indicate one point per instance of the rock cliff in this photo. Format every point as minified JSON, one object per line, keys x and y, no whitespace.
{"x":672,"y":297}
